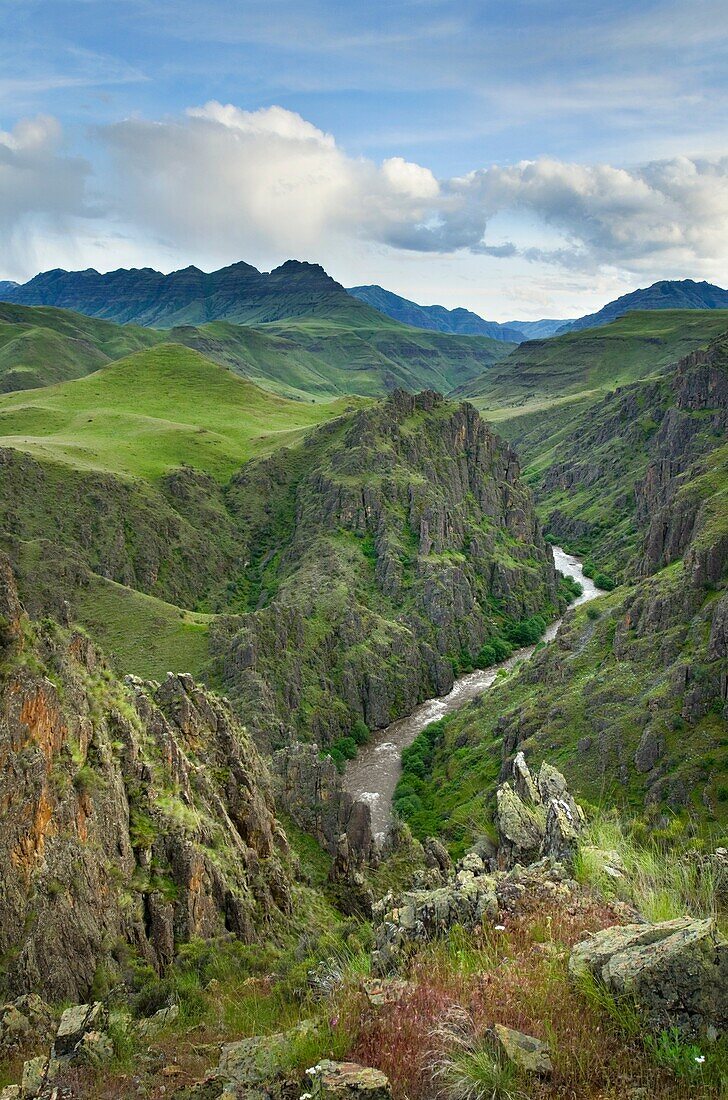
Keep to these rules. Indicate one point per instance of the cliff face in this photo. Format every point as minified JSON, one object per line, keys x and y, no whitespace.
{"x":394,"y":543}
{"x":134,"y":817}
{"x":627,"y":465}
{"x":632,"y":695}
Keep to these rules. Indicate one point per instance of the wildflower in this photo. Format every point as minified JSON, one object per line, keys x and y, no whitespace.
{"x":500,"y":927}
{"x":700,"y":1058}
{"x":312,"y":1071}
{"x":305,"y":1096}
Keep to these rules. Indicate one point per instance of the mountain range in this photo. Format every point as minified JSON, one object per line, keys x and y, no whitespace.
{"x":241,"y":534}
{"x":667,"y":294}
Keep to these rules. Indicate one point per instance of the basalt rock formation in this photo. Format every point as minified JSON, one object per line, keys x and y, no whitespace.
{"x":392,"y":544}
{"x":641,"y":451}
{"x":134,"y":817}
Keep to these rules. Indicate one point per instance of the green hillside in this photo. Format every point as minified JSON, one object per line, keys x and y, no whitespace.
{"x":543,"y":373}
{"x":40,"y":345}
{"x":154,"y":411}
{"x":319,"y":358}
{"x":381,"y":355}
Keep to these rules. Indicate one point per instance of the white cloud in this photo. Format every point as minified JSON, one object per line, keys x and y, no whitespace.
{"x":243,"y":180}
{"x":220,"y":183}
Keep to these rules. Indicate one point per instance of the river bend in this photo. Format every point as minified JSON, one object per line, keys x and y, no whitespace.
{"x":375,"y":772}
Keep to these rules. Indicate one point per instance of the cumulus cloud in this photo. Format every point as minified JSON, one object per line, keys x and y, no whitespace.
{"x":225,"y":183}
{"x":246,"y":179}
{"x":673,"y":211}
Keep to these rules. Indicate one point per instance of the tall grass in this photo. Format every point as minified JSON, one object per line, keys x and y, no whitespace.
{"x":660,"y":876}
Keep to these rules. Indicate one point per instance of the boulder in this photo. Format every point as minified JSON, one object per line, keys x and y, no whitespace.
{"x":676,"y":971}
{"x":25,"y":1021}
{"x":526,"y":1052}
{"x":520,"y":829}
{"x":256,"y":1067}
{"x":348,"y":1081}
{"x":75,"y":1023}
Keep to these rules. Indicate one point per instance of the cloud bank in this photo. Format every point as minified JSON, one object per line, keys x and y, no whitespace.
{"x":245,"y":178}
{"x":233,"y":183}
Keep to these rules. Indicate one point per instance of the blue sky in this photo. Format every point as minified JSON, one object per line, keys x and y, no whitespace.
{"x":524,"y":159}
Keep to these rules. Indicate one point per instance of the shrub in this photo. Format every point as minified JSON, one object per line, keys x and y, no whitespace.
{"x":360,"y":732}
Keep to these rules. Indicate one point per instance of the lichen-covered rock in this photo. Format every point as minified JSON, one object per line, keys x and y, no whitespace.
{"x":348,"y":1081}
{"x":76,"y":1022}
{"x":24,"y":1022}
{"x":536,"y":818}
{"x":529,"y":1054}
{"x":35,"y":1072}
{"x":521,"y":828}
{"x":676,"y":971}
{"x":257,"y":1068}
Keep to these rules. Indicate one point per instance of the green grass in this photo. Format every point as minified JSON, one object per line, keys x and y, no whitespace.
{"x":154,"y":411}
{"x":141,"y":634}
{"x":40,"y":346}
{"x":542,"y":373}
{"x":660,"y":877}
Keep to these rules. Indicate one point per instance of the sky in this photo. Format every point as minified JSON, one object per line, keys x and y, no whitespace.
{"x":527,"y":159}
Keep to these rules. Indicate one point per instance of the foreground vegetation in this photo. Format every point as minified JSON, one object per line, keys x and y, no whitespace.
{"x":303,"y":990}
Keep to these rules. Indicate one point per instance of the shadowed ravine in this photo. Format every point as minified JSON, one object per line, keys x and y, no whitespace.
{"x":373,"y":775}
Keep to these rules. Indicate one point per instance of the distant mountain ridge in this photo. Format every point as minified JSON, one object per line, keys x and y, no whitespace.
{"x":461,"y":322}
{"x":238,"y":293}
{"x":666,"y":294}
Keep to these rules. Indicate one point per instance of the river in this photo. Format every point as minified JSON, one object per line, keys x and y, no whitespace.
{"x":374,"y":774}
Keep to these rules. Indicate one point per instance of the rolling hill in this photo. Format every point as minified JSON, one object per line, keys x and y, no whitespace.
{"x":152,"y":412}
{"x":41,"y":346}
{"x":584,"y":365}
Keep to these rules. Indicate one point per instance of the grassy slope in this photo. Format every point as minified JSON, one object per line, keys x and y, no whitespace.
{"x":40,"y":346}
{"x":347,"y":350}
{"x":585,"y":365}
{"x":152,"y":412}
{"x":379,"y":355}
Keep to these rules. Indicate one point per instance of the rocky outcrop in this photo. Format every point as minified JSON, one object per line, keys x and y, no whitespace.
{"x":538,"y":827}
{"x":676,"y":971}
{"x":309,"y":786}
{"x":393,"y":542}
{"x":536,"y":817}
{"x":134,"y":817}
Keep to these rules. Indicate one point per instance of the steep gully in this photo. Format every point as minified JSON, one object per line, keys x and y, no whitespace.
{"x":373,"y":775}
